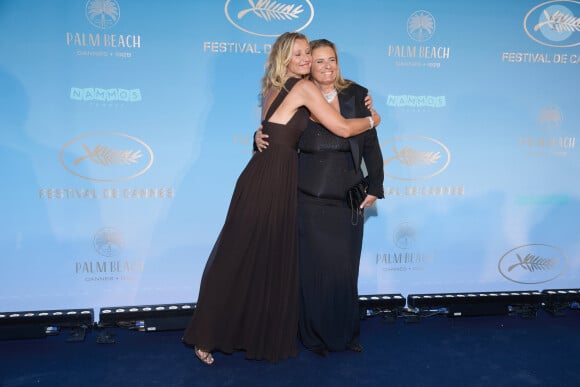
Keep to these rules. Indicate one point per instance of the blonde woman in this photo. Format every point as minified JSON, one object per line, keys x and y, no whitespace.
{"x":248,"y":297}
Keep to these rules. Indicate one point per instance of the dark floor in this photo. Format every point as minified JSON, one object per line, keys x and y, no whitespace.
{"x":436,"y":351}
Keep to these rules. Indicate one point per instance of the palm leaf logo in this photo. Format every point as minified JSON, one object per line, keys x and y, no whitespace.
{"x":559,"y":22}
{"x":105,"y":156}
{"x":421,"y":25}
{"x":411,"y":157}
{"x":268,"y":10}
{"x":100,"y":11}
{"x":533,"y":263}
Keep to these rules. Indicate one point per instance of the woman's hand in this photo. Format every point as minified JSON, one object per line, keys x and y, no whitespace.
{"x":369,"y":102}
{"x":368,"y":202}
{"x":259,"y":139}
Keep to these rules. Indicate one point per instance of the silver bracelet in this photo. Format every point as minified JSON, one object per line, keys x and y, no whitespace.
{"x":371,"y":121}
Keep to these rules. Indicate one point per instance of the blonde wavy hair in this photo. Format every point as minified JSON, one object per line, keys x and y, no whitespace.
{"x":339,"y":83}
{"x":276,"y":68}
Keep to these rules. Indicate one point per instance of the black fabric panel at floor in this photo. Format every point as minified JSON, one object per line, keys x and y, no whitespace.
{"x":436,"y":351}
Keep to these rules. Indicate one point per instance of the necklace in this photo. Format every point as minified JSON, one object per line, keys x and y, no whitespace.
{"x":330,"y":95}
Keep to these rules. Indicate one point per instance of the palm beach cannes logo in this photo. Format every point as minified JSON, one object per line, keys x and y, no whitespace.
{"x":553,"y":139}
{"x":108,"y":242}
{"x":554,"y":23}
{"x":405,"y":257}
{"x":414,"y":157}
{"x":404,"y":236}
{"x":103,"y":14}
{"x":268,"y":18}
{"x":533,"y":264}
{"x":106,"y":157}
{"x":421,"y":26}
{"x":550,"y":118}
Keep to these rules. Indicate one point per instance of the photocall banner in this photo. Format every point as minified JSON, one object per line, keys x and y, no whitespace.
{"x":124,"y":125}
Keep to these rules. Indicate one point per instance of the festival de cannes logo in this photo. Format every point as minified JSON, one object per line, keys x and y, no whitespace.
{"x":268,"y":18}
{"x":103,"y":14}
{"x":106,"y":157}
{"x":533,"y":264}
{"x":108,"y":242}
{"x":421,"y":26}
{"x":554,"y":23}
{"x":414,"y":157}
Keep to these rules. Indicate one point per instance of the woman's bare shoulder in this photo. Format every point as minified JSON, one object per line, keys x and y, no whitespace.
{"x":305,"y":86}
{"x":305,"y":83}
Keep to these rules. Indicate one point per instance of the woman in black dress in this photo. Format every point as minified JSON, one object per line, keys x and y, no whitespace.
{"x":248,"y":297}
{"x":330,"y":233}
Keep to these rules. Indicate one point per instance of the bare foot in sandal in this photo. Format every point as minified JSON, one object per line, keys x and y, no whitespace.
{"x":204,"y":356}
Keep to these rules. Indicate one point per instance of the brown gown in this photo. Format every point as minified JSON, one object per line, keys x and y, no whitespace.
{"x":248,"y":297}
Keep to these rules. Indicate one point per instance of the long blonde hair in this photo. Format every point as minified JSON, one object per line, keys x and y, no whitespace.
{"x":339,"y":83}
{"x":276,"y":68}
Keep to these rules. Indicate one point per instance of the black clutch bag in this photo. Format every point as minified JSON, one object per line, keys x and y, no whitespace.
{"x":356,"y":194}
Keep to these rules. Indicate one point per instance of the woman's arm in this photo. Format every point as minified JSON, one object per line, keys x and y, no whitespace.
{"x":371,"y":149}
{"x":309,"y":96}
{"x":373,"y":158}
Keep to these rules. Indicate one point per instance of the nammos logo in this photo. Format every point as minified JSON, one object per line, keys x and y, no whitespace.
{"x":97,"y":94}
{"x":554,"y":23}
{"x":269,"y":18}
{"x":106,"y":157}
{"x":414,"y":157}
{"x":533,"y":263}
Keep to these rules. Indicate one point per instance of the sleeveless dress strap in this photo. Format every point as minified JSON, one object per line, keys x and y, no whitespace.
{"x":280,"y":97}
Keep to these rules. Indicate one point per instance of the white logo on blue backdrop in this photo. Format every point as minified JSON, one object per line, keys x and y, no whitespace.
{"x":268,"y":18}
{"x":421,"y":26}
{"x":103,"y":14}
{"x":108,"y":145}
{"x":554,"y":23}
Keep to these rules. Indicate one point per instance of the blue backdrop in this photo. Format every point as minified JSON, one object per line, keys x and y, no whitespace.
{"x":124,"y":125}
